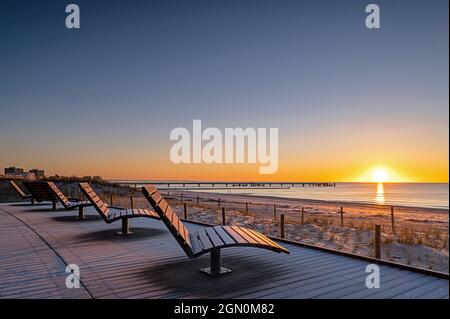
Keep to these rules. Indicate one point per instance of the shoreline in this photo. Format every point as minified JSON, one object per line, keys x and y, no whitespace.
{"x":263,"y":199}
{"x":320,"y":201}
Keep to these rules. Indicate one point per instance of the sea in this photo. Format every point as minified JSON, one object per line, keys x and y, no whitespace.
{"x":428,"y":195}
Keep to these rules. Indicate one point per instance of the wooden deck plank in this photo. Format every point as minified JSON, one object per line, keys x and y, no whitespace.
{"x":29,"y":269}
{"x":291,"y":275}
{"x":388,"y":275}
{"x":422,"y":290}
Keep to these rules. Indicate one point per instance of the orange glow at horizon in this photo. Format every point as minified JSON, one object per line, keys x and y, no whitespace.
{"x":326,"y":162}
{"x":138,"y":168}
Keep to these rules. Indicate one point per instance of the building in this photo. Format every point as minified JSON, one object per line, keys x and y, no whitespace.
{"x":38,"y":173}
{"x":19,"y":173}
{"x":14,"y":171}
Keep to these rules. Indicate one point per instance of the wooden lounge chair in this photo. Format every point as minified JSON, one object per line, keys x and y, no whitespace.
{"x":209,"y":239}
{"x":41,"y":192}
{"x":112,"y":213}
{"x":68,"y":203}
{"x":20,"y":192}
{"x":47,"y":191}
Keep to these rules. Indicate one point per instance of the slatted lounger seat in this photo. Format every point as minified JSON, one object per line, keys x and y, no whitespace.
{"x":41,"y":192}
{"x":112,"y":213}
{"x":47,"y":191}
{"x":20,"y":192}
{"x":68,"y":203}
{"x":210,"y":239}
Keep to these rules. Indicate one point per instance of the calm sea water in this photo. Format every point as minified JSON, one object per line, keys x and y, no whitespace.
{"x":398,"y":194}
{"x":432,"y":195}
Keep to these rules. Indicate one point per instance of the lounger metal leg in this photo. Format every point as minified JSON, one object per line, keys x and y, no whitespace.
{"x":81,"y":213}
{"x":125,"y":228}
{"x":54,"y":205}
{"x":216,"y":267}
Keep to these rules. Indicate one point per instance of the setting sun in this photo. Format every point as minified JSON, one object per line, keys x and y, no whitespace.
{"x":380,"y":176}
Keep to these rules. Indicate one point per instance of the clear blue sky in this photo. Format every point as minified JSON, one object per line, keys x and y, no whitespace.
{"x":137,"y":69}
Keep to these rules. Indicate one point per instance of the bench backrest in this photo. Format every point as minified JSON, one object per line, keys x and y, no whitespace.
{"x":18,"y":189}
{"x":40,"y":191}
{"x":58,"y":194}
{"x":100,"y":206}
{"x":169,"y":217}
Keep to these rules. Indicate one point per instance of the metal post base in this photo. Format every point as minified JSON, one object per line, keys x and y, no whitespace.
{"x":81,"y":214}
{"x":119,"y":233}
{"x":125,"y":228}
{"x":215,"y":269}
{"x":221,"y":272}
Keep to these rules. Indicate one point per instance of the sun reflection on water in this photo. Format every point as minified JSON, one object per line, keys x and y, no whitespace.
{"x":379,"y":198}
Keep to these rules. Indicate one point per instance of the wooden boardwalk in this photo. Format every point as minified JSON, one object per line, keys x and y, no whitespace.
{"x":36,"y":244}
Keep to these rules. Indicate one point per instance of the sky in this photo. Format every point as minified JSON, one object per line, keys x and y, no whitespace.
{"x":347,"y":100}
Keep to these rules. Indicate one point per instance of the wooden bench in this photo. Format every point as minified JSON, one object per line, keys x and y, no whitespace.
{"x":20,"y":192}
{"x":40,"y":192}
{"x":210,"y":239}
{"x":112,"y":213}
{"x":68,"y":203}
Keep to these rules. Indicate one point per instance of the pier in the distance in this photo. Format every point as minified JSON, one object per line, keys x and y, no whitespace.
{"x":224,"y":185}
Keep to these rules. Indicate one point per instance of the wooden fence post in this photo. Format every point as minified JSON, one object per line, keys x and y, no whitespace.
{"x":218,"y":203}
{"x":282,"y":225}
{"x":392,"y":220}
{"x":274,"y":212}
{"x":111,"y":199}
{"x":131,"y":202}
{"x":378,"y":241}
{"x":198,"y":200}
{"x":303,"y":215}
{"x":246,"y":208}
{"x":185,"y":210}
{"x":223,"y":216}
{"x":342,"y":216}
